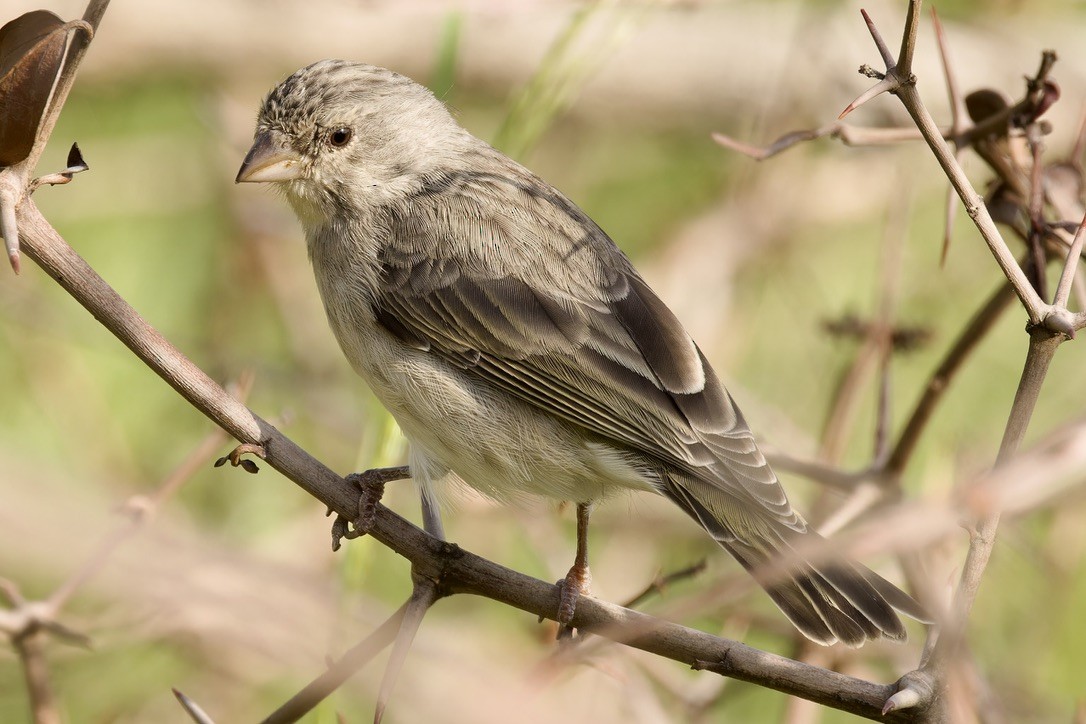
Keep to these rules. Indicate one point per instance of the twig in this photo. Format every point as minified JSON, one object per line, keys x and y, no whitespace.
{"x":194,"y":710}
{"x":1044,"y":340}
{"x":1042,"y":348}
{"x":139,"y":511}
{"x":1037,"y":225}
{"x":351,"y":662}
{"x":424,"y":593}
{"x":939,"y":382}
{"x":826,"y":474}
{"x":1067,"y":278}
{"x":1036,"y":308}
{"x":31,"y":650}
{"x":957,"y":121}
{"x":847,"y":397}
{"x":848,"y":134}
{"x":660,"y":583}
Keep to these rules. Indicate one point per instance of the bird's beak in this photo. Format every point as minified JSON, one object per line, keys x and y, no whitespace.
{"x":269,"y":160}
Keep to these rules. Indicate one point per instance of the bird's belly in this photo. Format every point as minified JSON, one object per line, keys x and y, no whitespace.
{"x":499,"y":445}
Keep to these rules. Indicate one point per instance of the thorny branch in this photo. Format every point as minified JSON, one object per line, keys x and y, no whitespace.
{"x":1050,"y":325}
{"x":1024,"y":192}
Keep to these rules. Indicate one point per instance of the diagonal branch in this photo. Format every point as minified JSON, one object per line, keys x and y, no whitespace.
{"x":975,"y":330}
{"x":342,"y":669}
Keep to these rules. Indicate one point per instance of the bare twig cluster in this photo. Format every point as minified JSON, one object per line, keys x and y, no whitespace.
{"x":27,"y":623}
{"x":1041,"y":203}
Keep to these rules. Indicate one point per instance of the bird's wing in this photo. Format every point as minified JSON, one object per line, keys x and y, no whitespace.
{"x":504,"y":277}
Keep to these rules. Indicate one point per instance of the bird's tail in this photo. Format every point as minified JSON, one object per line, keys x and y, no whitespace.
{"x":828,"y":600}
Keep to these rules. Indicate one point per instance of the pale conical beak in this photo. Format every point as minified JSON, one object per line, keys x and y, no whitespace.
{"x":270,"y":160}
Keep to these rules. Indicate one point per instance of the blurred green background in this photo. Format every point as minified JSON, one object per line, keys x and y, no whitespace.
{"x":232,"y":594}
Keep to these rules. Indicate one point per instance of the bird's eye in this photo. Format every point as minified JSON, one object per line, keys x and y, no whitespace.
{"x":339,"y":137}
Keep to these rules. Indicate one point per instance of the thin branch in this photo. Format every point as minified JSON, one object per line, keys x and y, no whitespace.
{"x":958,"y":115}
{"x":904,"y":87}
{"x":1037,"y":225}
{"x":139,"y":511}
{"x":848,"y":134}
{"x":883,"y":332}
{"x":904,"y":67}
{"x":194,"y":710}
{"x":1080,"y":143}
{"x":829,"y":475}
{"x":1045,"y":337}
{"x":1067,"y":278}
{"x":974,"y":331}
{"x":31,"y":650}
{"x":660,"y":583}
{"x":1036,"y":308}
{"x":424,"y":593}
{"x":1042,"y":348}
{"x":344,"y":668}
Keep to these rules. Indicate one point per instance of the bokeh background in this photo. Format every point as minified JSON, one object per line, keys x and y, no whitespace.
{"x":232,"y":593}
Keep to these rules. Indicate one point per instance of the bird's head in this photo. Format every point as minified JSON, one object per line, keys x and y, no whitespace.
{"x":336,"y":135}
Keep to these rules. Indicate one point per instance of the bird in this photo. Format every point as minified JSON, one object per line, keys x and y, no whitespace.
{"x":517,"y":347}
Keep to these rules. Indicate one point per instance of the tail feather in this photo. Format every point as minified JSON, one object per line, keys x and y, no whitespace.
{"x":827,"y":604}
{"x":828,"y":601}
{"x":852,"y":582}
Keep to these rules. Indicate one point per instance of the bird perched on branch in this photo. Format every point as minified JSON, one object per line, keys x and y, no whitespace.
{"x":517,"y":347}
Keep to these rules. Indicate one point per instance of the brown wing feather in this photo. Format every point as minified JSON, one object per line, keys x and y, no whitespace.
{"x":540,"y":303}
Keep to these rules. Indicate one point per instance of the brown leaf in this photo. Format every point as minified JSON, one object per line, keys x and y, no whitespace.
{"x":31,"y":56}
{"x":984,"y":103}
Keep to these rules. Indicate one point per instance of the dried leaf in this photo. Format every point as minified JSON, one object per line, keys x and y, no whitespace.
{"x":75,"y":160}
{"x":985,"y":103}
{"x":31,"y":56}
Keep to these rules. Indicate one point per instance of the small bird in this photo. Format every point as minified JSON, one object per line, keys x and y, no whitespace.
{"x":516,"y":345}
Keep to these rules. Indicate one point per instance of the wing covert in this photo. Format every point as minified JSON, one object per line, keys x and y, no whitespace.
{"x":522,"y":290}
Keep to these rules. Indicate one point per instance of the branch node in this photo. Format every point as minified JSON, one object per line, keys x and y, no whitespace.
{"x":1060,"y":321}
{"x":915,"y":689}
{"x":870,"y":72}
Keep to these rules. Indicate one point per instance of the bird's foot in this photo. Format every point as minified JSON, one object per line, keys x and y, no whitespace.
{"x":371,"y":486}
{"x":571,"y":588}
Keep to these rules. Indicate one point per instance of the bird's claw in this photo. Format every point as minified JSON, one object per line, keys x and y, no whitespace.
{"x":371,"y":486}
{"x":570,"y":590}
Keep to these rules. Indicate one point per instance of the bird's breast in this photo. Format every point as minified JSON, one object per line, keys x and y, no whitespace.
{"x":493,"y":441}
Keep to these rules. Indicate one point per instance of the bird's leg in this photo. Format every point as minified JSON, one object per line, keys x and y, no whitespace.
{"x":577,"y":580}
{"x":371,"y":486}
